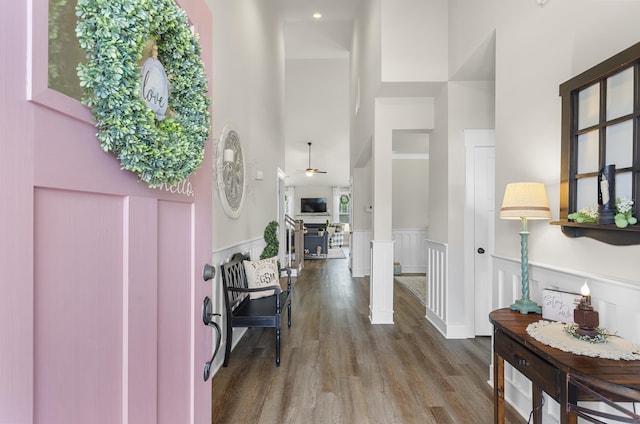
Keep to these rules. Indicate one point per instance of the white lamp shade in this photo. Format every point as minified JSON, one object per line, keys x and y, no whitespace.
{"x":525,"y":200}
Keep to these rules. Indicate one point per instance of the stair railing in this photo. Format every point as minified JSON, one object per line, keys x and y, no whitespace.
{"x":294,"y":244}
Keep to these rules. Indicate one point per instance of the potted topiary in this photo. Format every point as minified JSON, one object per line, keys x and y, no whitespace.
{"x":272,"y":246}
{"x":271,"y":238}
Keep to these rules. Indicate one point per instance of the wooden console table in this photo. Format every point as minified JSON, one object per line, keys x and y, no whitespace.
{"x":560,"y":374}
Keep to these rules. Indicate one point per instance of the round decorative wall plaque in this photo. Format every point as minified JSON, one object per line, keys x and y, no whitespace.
{"x":230,"y":172}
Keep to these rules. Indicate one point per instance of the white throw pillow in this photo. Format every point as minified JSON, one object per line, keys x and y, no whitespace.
{"x":261,"y":273}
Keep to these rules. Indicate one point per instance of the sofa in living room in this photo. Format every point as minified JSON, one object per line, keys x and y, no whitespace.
{"x":336,"y":235}
{"x":333,"y":233}
{"x":316,"y":244}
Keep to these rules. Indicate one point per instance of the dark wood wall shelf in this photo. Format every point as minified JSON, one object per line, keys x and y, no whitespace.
{"x":607,"y":233}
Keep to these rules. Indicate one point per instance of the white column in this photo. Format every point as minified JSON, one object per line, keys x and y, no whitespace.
{"x":381,"y":294}
{"x":381,"y":282}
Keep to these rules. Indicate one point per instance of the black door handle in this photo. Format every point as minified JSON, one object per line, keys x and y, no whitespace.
{"x":480,"y":250}
{"x":207,"y":320}
{"x":208,"y":272}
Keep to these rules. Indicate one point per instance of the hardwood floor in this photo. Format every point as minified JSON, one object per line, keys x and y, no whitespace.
{"x":338,"y":368}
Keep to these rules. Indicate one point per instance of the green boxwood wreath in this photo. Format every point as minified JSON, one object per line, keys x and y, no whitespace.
{"x":114,"y":34}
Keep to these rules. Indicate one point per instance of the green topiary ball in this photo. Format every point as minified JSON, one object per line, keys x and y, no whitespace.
{"x":271,"y":238}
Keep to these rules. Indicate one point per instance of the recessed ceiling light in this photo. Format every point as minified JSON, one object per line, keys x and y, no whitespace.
{"x":317,"y":15}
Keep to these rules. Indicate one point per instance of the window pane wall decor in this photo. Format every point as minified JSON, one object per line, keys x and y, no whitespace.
{"x":600,"y":114}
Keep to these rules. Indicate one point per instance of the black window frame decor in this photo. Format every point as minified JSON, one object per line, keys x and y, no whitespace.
{"x":569,"y":177}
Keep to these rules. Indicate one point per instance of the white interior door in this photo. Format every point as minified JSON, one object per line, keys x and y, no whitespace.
{"x":484,"y":236}
{"x":480,"y":221}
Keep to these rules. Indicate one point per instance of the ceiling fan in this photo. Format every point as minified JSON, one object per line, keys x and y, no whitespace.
{"x":311,"y":171}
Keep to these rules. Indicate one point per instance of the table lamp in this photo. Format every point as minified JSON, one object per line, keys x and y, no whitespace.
{"x":525,"y":201}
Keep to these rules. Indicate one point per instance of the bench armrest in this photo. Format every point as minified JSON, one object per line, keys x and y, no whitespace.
{"x":275,"y":287}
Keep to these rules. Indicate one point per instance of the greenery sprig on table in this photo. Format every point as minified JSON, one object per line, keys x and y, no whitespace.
{"x":601,"y":334}
{"x":114,"y":34}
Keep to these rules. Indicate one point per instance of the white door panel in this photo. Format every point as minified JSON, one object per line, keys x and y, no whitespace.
{"x":479,"y":228}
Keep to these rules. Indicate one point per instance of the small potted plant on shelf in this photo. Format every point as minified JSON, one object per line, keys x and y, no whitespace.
{"x":584,"y":215}
{"x":624,"y":214}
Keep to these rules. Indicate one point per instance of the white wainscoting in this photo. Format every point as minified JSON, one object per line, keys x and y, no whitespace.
{"x":360,"y":250}
{"x":254,"y":249}
{"x":616,"y":301}
{"x":437,"y":271}
{"x":409,"y":250}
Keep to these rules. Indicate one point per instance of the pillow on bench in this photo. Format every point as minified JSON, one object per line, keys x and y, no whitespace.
{"x":261,"y":273}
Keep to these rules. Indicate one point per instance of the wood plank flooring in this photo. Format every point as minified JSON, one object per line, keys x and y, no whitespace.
{"x":338,"y":368}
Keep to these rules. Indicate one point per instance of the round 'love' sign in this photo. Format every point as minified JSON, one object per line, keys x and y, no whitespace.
{"x":154,"y":87}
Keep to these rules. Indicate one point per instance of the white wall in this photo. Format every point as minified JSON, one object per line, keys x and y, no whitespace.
{"x":365,"y":81}
{"x":247,"y":91}
{"x":317,"y":111}
{"x":439,"y":172}
{"x":410,"y":194}
{"x":471,"y":24}
{"x":530,"y":65}
{"x":407,"y":24}
{"x":362,"y":195}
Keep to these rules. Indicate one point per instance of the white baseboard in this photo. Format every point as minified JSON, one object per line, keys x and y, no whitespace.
{"x":380,"y":317}
{"x":414,"y":269}
{"x":447,"y":331}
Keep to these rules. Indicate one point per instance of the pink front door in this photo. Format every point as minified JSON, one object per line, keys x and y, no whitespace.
{"x":100,"y":276}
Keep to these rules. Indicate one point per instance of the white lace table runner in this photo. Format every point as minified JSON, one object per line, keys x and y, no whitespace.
{"x":553,"y":334}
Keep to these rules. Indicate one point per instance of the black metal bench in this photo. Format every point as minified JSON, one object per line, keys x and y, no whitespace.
{"x":241,"y":311}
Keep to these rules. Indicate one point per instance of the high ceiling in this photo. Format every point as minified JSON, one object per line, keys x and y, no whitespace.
{"x":332,"y":10}
{"x":317,"y":55}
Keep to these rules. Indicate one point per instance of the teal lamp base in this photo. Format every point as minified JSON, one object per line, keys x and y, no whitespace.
{"x":524,"y":306}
